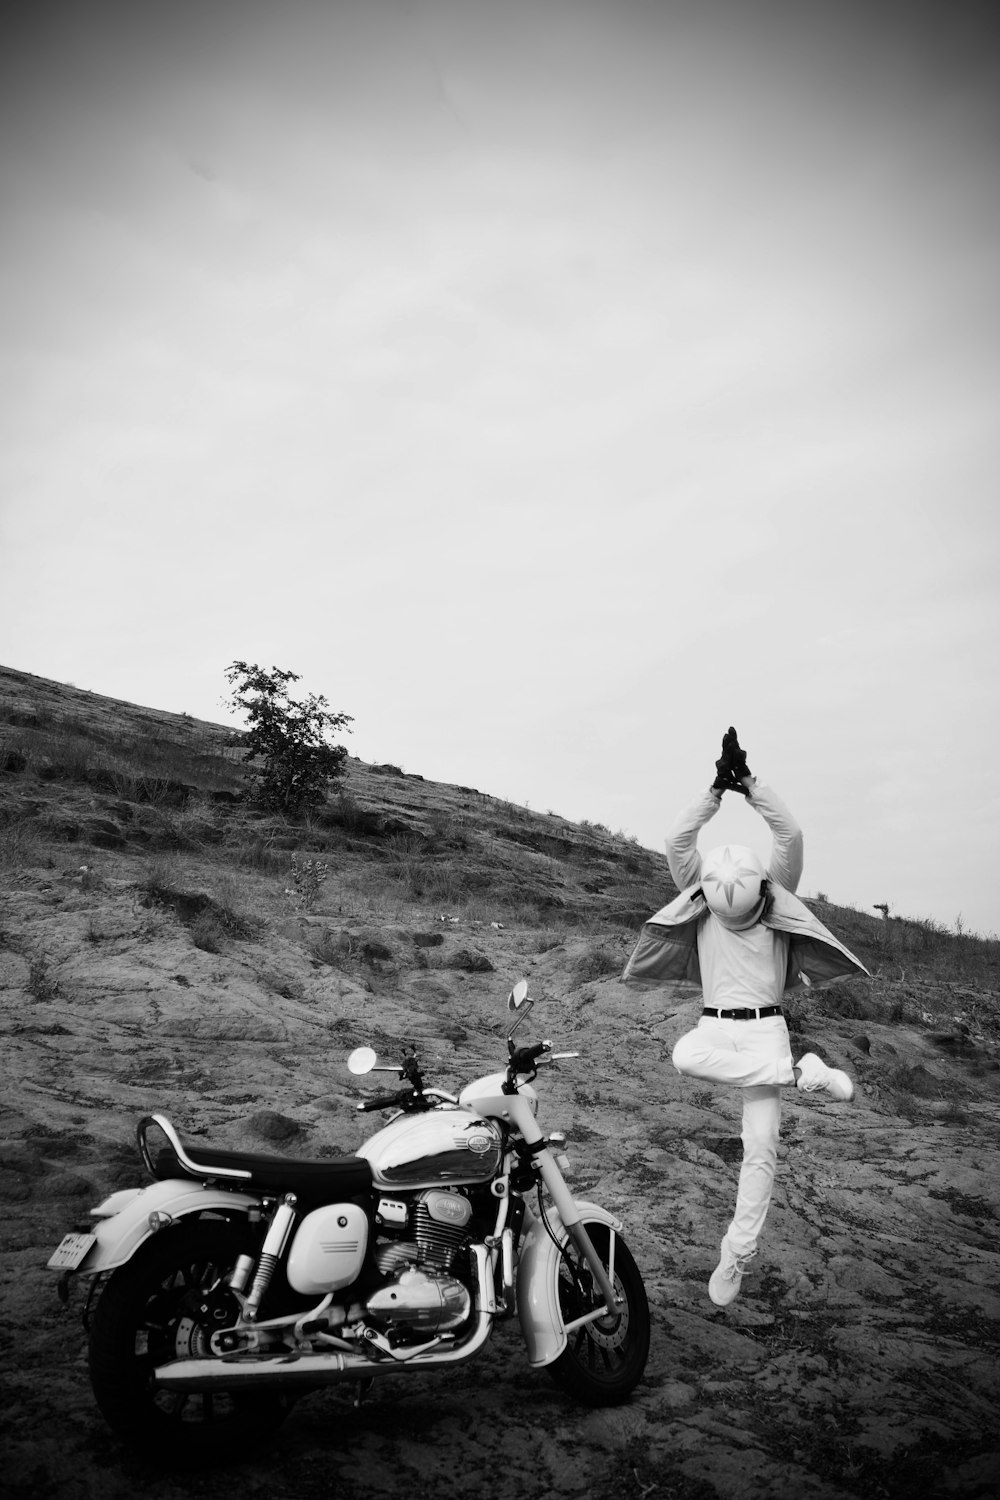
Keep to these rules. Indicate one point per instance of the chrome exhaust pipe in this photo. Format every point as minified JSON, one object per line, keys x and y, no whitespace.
{"x":237,"y":1372}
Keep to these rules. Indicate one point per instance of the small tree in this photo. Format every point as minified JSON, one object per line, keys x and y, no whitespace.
{"x":288,"y":742}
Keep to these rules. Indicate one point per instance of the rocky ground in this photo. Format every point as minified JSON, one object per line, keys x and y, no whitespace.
{"x":861,"y":1359}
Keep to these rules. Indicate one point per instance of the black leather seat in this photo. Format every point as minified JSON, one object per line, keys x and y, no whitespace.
{"x":311,"y":1181}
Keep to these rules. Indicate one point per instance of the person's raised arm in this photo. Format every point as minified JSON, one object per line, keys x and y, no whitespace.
{"x":682,"y":840}
{"x":785,"y":864}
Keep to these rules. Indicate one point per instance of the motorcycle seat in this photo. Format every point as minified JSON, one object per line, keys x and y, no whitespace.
{"x":323,"y":1181}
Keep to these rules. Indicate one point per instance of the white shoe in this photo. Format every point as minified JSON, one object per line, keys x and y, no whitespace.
{"x":724,"y":1282}
{"x":814,"y":1074}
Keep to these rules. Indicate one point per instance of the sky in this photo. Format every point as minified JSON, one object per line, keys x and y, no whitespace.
{"x":549,"y":383}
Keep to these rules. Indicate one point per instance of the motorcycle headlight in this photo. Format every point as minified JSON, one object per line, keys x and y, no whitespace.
{"x":557,"y":1144}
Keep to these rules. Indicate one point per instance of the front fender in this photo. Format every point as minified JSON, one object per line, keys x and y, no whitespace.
{"x":538,"y":1281}
{"x":119,"y":1236}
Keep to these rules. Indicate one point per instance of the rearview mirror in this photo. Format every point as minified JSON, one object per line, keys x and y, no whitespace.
{"x":362,"y":1060}
{"x":518,"y":995}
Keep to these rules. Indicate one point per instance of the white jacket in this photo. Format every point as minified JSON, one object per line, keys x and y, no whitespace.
{"x":667,"y":950}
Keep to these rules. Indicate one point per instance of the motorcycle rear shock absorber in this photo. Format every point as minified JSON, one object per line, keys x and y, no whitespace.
{"x":275,"y":1240}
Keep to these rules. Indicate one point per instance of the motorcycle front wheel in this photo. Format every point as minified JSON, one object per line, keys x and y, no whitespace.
{"x":603,"y":1360}
{"x":165,"y":1304}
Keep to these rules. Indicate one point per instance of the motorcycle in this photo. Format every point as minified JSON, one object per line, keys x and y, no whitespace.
{"x":235,"y":1282}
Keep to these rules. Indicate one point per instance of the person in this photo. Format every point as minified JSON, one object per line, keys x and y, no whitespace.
{"x":737,"y":930}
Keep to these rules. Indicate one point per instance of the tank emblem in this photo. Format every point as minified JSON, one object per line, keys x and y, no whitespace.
{"x":479,"y":1143}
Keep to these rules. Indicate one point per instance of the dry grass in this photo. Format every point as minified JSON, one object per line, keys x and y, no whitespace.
{"x":901,"y":948}
{"x":20,"y":845}
{"x":210,"y":918}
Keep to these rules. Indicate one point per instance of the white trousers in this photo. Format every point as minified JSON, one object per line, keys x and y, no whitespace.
{"x":757,"y":1057}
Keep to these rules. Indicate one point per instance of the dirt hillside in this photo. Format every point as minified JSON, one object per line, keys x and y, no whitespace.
{"x":164,"y":947}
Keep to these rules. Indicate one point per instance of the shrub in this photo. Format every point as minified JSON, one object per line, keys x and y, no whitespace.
{"x":288,"y":741}
{"x":853,"y":1001}
{"x":331,"y":948}
{"x":307,"y":880}
{"x":41,"y":983}
{"x":469,"y":962}
{"x":598,"y":963}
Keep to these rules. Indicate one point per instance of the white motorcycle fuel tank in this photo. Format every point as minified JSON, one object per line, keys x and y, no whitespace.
{"x":453,"y":1146}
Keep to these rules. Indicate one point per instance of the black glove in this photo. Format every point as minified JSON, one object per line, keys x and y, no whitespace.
{"x":738,"y":759}
{"x":723,"y":780}
{"x":731,"y":767}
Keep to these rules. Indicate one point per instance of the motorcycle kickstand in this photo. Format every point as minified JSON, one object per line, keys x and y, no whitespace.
{"x":364,"y":1386}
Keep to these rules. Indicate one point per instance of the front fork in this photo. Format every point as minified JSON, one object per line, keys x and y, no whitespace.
{"x":546,"y":1164}
{"x":603,"y":1276}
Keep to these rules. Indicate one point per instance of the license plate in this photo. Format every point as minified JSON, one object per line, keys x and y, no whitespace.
{"x":72,"y":1252}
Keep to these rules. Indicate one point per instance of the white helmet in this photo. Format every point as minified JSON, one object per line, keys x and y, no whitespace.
{"x":732,"y":882}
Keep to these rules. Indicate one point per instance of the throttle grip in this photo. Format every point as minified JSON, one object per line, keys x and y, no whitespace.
{"x":524,"y":1057}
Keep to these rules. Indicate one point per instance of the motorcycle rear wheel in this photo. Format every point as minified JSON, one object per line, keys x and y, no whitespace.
{"x":163,"y":1305}
{"x":604,"y":1360}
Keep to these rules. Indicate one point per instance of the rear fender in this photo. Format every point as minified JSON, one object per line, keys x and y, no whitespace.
{"x":120,"y":1235}
{"x":538,"y":1281}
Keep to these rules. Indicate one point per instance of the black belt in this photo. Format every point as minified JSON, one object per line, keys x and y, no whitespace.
{"x":743,"y":1015}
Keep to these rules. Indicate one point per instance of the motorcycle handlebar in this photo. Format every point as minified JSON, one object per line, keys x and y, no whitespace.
{"x":522,"y":1060}
{"x":385,"y":1101}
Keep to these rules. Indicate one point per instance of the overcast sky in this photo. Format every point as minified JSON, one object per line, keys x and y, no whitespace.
{"x":550,"y":383}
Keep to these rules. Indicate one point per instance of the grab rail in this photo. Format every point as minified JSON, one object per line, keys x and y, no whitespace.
{"x":195,"y":1168}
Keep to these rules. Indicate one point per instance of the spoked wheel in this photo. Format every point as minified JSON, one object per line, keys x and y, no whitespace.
{"x":164,"y":1305}
{"x":604,"y":1359}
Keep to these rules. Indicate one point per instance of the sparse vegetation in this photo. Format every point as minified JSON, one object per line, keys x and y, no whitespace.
{"x":392,"y":840}
{"x":209,"y":919}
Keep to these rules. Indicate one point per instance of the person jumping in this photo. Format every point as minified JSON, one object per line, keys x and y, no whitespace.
{"x":739,"y":932}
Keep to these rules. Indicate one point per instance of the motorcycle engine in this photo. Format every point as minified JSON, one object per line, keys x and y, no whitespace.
{"x":431,"y":1228}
